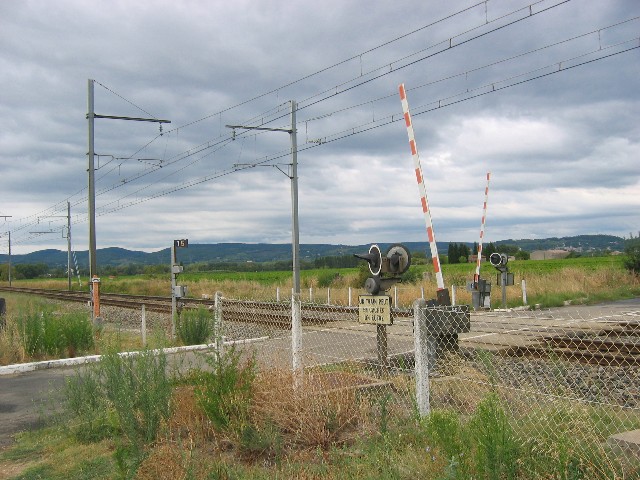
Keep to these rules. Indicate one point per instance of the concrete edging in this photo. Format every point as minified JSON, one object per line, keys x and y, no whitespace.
{"x":70,"y":362}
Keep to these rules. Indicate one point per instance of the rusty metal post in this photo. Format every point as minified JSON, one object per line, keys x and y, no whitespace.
{"x":95,"y":297}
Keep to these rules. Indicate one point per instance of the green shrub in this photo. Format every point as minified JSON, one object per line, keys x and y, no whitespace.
{"x":128,"y":392}
{"x":195,"y":327}
{"x":224,"y":393}
{"x":413,"y":276}
{"x":326,"y":279}
{"x":85,"y":400}
{"x":632,"y":255}
{"x":138,"y":389}
{"x":445,"y":430}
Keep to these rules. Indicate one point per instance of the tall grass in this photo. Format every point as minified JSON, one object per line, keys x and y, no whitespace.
{"x":43,"y":332}
{"x":195,"y":327}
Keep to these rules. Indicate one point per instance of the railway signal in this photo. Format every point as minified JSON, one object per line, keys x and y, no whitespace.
{"x":177,"y":291}
{"x":504,"y":278}
{"x":385,"y":269}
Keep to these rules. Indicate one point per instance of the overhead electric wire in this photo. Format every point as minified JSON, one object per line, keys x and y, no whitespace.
{"x":359,"y":55}
{"x":420,"y":110}
{"x":448,"y":39}
{"x":337,"y":64}
{"x":472,"y":70}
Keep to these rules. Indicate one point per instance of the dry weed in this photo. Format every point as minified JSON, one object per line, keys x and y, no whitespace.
{"x":188,"y":421}
{"x":323,"y":412}
{"x":167,"y":461}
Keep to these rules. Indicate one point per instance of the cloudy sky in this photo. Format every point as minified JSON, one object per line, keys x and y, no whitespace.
{"x":544,"y":95}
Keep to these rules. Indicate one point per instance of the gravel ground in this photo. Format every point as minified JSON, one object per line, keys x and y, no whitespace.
{"x":132,"y":320}
{"x":592,"y":383}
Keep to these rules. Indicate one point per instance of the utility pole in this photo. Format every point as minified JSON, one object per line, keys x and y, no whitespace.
{"x":9,"y":233}
{"x":9,"y":257}
{"x":296,"y":317}
{"x":92,"y":186}
{"x":91,"y":116}
{"x":68,"y":217}
{"x":69,"y":243}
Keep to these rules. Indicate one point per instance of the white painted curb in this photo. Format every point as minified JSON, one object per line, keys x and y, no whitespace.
{"x":70,"y":362}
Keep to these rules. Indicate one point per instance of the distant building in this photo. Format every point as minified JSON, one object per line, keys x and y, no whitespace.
{"x":549,"y":254}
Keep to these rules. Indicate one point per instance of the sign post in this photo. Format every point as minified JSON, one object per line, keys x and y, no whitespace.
{"x":177,"y":291}
{"x":375,"y":308}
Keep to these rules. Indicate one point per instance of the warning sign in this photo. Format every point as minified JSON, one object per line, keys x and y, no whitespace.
{"x":375,"y":309}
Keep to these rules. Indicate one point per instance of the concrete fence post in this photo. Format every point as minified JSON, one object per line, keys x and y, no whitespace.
{"x":423,"y":344}
{"x":296,"y":340}
{"x":143,"y":328}
{"x":217,"y":321}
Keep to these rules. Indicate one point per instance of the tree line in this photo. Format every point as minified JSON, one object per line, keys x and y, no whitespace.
{"x":461,"y":252}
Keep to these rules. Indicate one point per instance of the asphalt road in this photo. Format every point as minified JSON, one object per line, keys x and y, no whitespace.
{"x":26,"y":399}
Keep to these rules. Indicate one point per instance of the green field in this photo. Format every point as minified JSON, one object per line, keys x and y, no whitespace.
{"x":548,"y":282}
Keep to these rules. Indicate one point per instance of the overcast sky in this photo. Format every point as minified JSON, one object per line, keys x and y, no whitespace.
{"x":543,"y":95}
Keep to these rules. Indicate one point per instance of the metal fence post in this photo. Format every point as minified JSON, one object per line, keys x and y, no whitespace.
{"x":349,"y":296}
{"x":453,"y":294}
{"x":524,"y":291}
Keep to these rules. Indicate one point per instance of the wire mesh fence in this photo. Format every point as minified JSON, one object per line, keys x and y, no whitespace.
{"x":402,"y":296}
{"x":562,"y":379}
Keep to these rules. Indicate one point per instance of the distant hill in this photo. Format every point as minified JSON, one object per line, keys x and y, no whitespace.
{"x":262,"y":252}
{"x":580,"y":242}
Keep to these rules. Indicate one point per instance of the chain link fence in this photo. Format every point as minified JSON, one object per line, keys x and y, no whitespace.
{"x":563,"y":378}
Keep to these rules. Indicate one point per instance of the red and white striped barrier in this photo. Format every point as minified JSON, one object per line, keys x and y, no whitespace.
{"x":484,"y":218}
{"x":422,"y":188}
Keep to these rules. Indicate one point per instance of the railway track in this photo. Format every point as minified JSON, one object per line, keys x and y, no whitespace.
{"x":152,"y":303}
{"x":616,"y":344}
{"x":277,"y":314}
